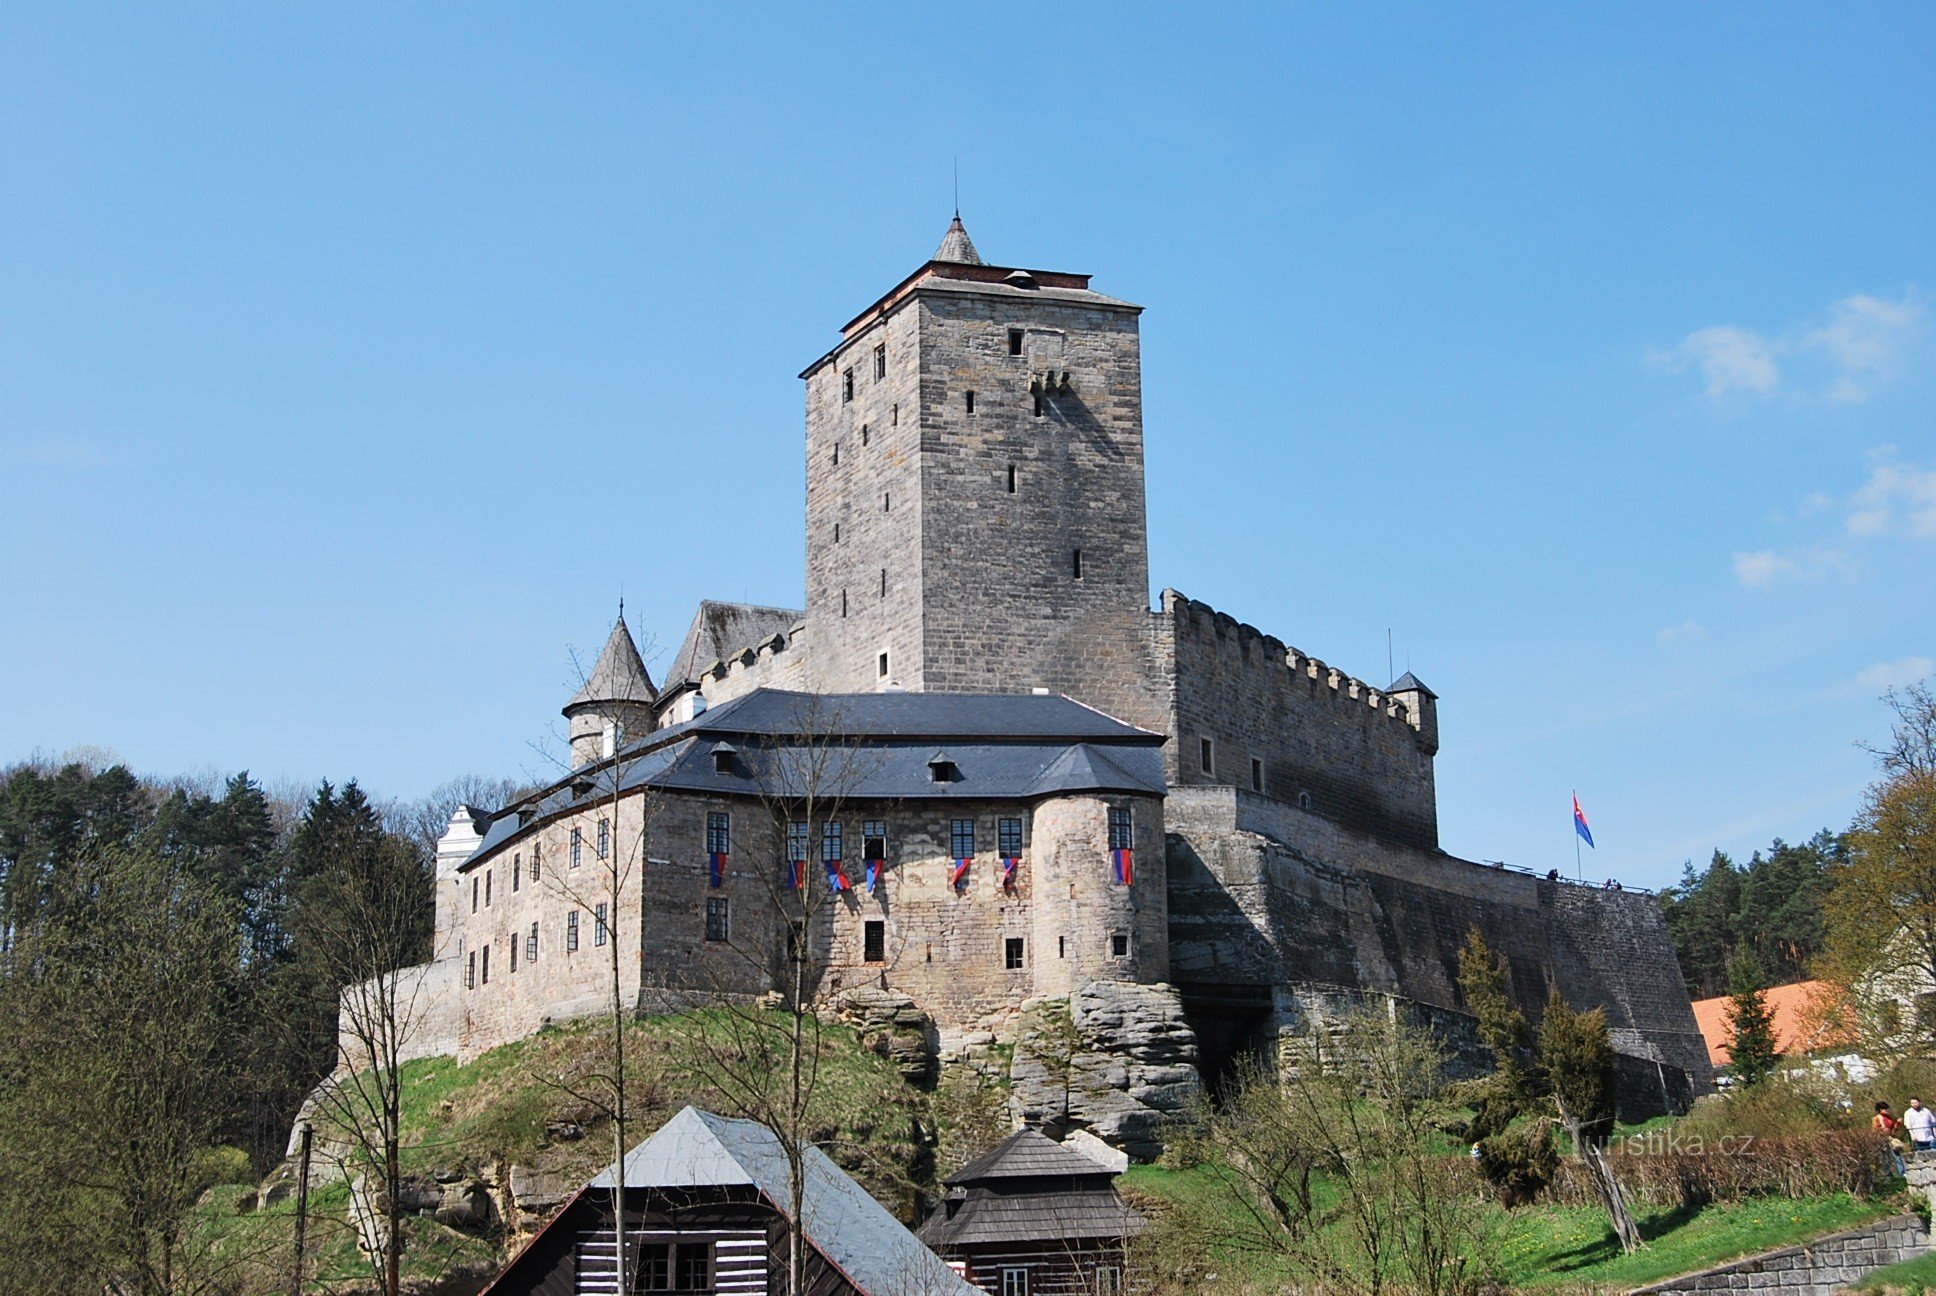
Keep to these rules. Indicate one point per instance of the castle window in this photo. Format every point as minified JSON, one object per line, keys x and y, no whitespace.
{"x":880,"y":361}
{"x":873,"y":839}
{"x":1075,"y":564}
{"x":488,"y":873}
{"x":970,"y":401}
{"x":1008,"y":837}
{"x":1062,"y":947}
{"x":531,"y":944}
{"x":1256,"y":775}
{"x":1304,"y":801}
{"x":1122,"y":829}
{"x":600,"y":926}
{"x":470,"y":971}
{"x":571,"y":931}
{"x":537,"y":853}
{"x":1206,"y":755}
{"x":836,"y":454}
{"x":604,"y":838}
{"x":836,"y":533}
{"x":883,"y":582}
{"x":517,"y":870}
{"x":843,"y":602}
{"x":1015,"y":341}
{"x":830,"y":843}
{"x":961,"y":839}
{"x":847,"y":387}
{"x":577,"y":846}
{"x":1119,"y":944}
{"x":798,"y":840}
{"x":874,"y":941}
{"x":484,"y":967}
{"x":473,"y":895}
{"x":882,"y":669}
{"x":1012,"y":953}
{"x":719,"y":833}
{"x":719,"y":916}
{"x":1038,"y":404}
{"x":894,"y":415}
{"x":863,"y":434}
{"x":514,"y":956}
{"x":887,"y":502}
{"x":1011,"y":479}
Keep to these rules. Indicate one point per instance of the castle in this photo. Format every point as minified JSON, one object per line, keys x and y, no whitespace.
{"x":1204,"y":839}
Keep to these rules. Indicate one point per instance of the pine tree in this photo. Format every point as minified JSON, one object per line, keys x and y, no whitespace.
{"x":1751,"y":1047}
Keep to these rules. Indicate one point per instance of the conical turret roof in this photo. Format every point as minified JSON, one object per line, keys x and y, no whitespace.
{"x":1410,"y":683}
{"x":956,"y":245}
{"x":619,"y":676}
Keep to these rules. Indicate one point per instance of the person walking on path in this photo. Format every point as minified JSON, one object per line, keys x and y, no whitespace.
{"x":1921,"y":1124}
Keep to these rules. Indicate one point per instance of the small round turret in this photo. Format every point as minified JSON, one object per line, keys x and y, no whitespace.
{"x":615,"y":700}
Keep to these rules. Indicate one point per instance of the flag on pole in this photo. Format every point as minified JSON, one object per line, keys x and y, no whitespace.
{"x":958,"y":878}
{"x":715,"y":869}
{"x":1008,"y":871}
{"x":1125,"y":866}
{"x":1579,"y":822}
{"x":836,"y":876}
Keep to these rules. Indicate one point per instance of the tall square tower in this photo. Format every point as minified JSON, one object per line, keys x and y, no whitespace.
{"x":975,"y":512}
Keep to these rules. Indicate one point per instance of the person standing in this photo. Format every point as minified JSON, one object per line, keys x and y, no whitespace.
{"x":1920,"y":1122}
{"x":1885,"y":1123}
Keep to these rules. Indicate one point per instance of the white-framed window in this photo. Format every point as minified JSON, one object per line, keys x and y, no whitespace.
{"x":1109,"y":1280}
{"x":1015,"y":1280}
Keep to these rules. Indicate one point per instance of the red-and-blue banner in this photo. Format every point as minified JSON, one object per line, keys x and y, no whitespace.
{"x":1125,"y":866}
{"x":1008,"y":871}
{"x":1579,"y":822}
{"x":959,"y":877}
{"x":796,"y":874}
{"x":715,"y":869}
{"x":836,"y":876}
{"x":874,"y":870}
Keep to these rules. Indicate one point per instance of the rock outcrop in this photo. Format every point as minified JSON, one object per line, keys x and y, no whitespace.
{"x":894,"y":1026}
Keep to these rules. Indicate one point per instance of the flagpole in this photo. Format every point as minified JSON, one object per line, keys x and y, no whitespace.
{"x":1579,"y":870}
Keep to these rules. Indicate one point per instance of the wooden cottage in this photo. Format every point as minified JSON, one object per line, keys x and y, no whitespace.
{"x":706,"y":1201}
{"x":1034,"y":1218}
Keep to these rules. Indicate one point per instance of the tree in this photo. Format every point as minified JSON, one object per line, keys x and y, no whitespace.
{"x":1752,"y":1052}
{"x":1881,"y":907}
{"x":1772,"y":906}
{"x":1333,"y":1164}
{"x":1566,"y":1079}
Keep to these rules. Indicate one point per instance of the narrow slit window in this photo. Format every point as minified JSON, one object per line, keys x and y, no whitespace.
{"x":836,"y":533}
{"x":969,"y":400}
{"x":894,"y":415}
{"x":1075,"y":564}
{"x":1206,"y":754}
{"x":863,"y":434}
{"x":882,"y":669}
{"x":836,"y":454}
{"x":1038,"y":404}
{"x":473,"y":895}
{"x":1011,"y":479}
{"x":887,"y":502}
{"x":843,"y":602}
{"x":484,"y":967}
{"x":517,"y":870}
{"x":1015,"y":341}
{"x":537,"y":855}
{"x":1256,"y":775}
{"x":488,"y":875}
{"x":883,"y":582}
{"x":880,"y":361}
{"x":514,"y":956}
{"x":604,"y":838}
{"x":847,"y":387}
{"x":470,"y":971}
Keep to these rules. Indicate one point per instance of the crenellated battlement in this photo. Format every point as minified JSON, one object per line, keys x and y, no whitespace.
{"x":777,"y":661}
{"x":1320,"y":679}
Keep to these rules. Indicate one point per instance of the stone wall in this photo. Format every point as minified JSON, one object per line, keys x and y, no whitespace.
{"x":1318,"y":736}
{"x":1816,"y":1268}
{"x":1263,"y":895}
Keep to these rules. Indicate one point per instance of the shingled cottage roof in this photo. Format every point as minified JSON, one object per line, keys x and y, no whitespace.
{"x":1029,"y":1190}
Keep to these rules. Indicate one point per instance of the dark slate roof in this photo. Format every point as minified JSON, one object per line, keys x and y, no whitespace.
{"x":852,"y":1230}
{"x":1410,"y":683}
{"x":1012,"y":747}
{"x":619,"y":676}
{"x":719,"y":630}
{"x":956,"y":245}
{"x":1029,"y":1189}
{"x":1029,"y":1153}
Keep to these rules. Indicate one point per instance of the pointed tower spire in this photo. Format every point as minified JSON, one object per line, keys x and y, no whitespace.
{"x":619,"y":676}
{"x":956,"y":246}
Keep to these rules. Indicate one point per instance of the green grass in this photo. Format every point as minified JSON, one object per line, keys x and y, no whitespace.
{"x":1912,"y":1277}
{"x":1553,"y":1246}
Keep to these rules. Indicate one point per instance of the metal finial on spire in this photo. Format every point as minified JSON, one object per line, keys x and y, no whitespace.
{"x":956,"y":246}
{"x":957,"y":186}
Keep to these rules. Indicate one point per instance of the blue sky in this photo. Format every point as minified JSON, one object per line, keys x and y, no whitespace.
{"x":353,"y":359}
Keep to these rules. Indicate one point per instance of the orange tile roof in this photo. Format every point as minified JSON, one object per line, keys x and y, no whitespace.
{"x":1795,"y":1009}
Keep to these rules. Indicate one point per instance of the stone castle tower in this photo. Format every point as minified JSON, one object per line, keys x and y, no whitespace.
{"x":975,"y":515}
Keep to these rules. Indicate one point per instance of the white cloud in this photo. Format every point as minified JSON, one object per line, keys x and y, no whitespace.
{"x":1895,"y":674}
{"x":1898,"y":499}
{"x":1865,"y":339}
{"x":1685,"y":630}
{"x":1864,"y":343}
{"x":1731,"y":359}
{"x":1761,"y":567}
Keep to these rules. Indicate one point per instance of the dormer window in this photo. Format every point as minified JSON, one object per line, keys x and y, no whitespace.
{"x":725,"y":758}
{"x":942,"y":769}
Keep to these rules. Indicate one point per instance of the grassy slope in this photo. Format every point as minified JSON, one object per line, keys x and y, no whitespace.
{"x":1574,"y":1245}
{"x":1911,"y":1277}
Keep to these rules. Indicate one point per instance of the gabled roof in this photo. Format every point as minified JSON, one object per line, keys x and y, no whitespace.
{"x":852,"y":1230}
{"x":956,"y":245}
{"x":719,"y":630}
{"x":619,"y":676}
{"x":1798,"y":1012}
{"x":1029,"y":1153}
